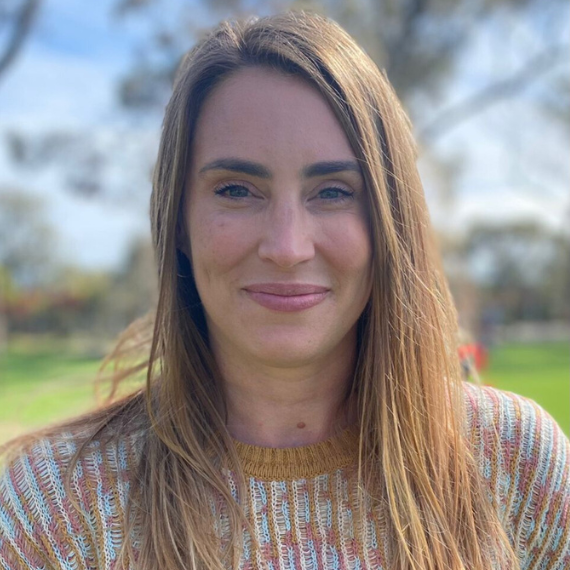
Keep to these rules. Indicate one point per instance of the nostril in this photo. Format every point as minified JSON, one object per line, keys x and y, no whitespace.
{"x":286,"y":254}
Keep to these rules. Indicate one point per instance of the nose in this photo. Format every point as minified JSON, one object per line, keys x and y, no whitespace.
{"x":287,"y":238}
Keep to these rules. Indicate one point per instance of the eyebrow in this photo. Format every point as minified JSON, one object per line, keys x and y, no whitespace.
{"x":238,"y":165}
{"x":258,"y":170}
{"x":330,"y":167}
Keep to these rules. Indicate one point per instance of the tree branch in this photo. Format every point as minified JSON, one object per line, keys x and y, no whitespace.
{"x":478,"y":102}
{"x":21,"y":28}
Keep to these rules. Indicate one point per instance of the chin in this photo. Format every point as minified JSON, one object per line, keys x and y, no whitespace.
{"x":286,"y":352}
{"x":280,"y":358}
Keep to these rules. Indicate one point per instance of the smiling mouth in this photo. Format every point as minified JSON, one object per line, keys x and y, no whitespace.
{"x":287,"y":297}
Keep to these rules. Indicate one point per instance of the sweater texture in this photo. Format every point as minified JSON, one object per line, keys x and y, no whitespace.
{"x":300,"y":501}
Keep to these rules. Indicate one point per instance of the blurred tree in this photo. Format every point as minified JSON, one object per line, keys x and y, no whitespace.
{"x":26,"y":248}
{"x":112,"y":165}
{"x":522,"y":267}
{"x":133,"y":290}
{"x":417,"y":42}
{"x":26,"y":238}
{"x":92,"y":305}
{"x":6,"y":296}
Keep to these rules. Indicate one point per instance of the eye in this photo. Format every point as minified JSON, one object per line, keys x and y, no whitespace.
{"x":335,"y":194}
{"x":233,"y":191}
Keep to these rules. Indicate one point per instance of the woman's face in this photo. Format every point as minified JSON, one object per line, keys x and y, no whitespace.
{"x":276,"y":219}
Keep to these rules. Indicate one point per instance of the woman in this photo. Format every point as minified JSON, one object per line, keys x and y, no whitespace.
{"x":304,"y":406}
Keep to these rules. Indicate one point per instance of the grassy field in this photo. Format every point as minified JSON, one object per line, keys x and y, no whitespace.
{"x":37,"y":388}
{"x":538,"y":371}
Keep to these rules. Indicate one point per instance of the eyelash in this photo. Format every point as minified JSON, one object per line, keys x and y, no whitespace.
{"x":223,"y":191}
{"x":344,"y":194}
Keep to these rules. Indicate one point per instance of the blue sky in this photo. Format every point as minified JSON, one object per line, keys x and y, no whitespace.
{"x":65,"y":79}
{"x":66,"y":76}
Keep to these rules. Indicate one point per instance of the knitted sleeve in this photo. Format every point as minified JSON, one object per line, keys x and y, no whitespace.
{"x":42,"y":527}
{"x":525,"y":457}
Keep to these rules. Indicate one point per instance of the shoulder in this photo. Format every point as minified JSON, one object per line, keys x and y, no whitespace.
{"x":520,"y":424}
{"x":524,"y":456}
{"x":46,"y":523}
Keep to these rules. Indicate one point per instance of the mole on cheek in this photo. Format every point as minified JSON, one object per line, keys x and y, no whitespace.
{"x":301,"y":425}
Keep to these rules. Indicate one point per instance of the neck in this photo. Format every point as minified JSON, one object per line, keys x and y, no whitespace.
{"x":287,"y":407}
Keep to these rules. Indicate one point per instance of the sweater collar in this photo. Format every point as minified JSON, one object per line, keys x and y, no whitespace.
{"x":278,"y":464}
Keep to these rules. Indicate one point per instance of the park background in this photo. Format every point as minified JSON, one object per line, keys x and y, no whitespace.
{"x":83,"y":87}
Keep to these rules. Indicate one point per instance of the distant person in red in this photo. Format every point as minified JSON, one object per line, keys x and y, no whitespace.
{"x":475,"y":354}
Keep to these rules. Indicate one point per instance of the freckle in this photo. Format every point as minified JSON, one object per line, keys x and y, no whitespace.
{"x":301,"y":425}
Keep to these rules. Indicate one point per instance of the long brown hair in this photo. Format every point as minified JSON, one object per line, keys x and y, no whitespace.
{"x":414,"y":460}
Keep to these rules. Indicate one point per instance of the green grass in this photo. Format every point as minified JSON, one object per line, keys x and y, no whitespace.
{"x":37,"y":388}
{"x":538,"y":371}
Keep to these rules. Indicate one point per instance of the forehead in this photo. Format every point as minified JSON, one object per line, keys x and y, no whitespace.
{"x":268,"y":114}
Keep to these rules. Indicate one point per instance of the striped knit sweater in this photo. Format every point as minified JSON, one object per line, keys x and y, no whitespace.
{"x":300,"y":501}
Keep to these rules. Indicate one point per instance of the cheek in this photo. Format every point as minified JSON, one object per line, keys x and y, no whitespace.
{"x":217,"y":244}
{"x":350,"y":249}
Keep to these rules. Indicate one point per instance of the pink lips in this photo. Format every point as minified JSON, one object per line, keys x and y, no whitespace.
{"x":286,"y":297}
